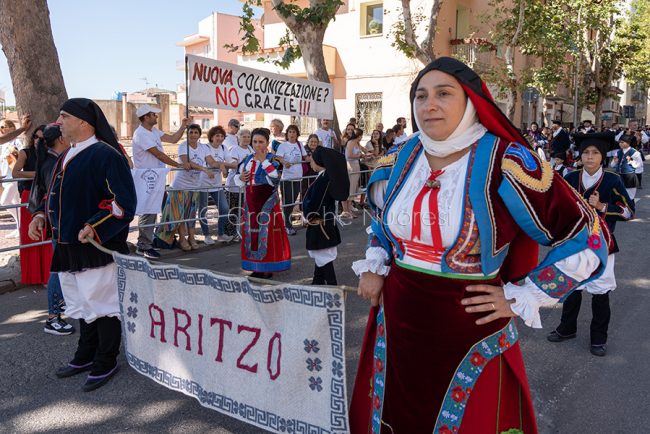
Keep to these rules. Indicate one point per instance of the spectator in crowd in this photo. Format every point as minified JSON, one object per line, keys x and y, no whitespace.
{"x":265,"y":247}
{"x":326,"y":135}
{"x":290,"y":154}
{"x":389,"y":140}
{"x":374,"y":145}
{"x":380,"y":127}
{"x":640,"y":137}
{"x":353,"y":121}
{"x":312,"y":143}
{"x":48,"y":150}
{"x":215,"y":189}
{"x":34,"y":261}
{"x":231,"y":137}
{"x":182,"y":202}
{"x":353,"y":153}
{"x":148,"y":153}
{"x":349,"y":131}
{"x":277,"y":135}
{"x":560,"y":141}
{"x":398,"y":129}
{"x":236,"y":193}
{"x":11,"y":144}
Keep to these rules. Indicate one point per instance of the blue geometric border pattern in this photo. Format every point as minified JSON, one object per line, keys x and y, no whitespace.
{"x":314,"y":298}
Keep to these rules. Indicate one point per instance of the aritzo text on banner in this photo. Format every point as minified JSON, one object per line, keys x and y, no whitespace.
{"x":269,"y":356}
{"x":223,"y":85}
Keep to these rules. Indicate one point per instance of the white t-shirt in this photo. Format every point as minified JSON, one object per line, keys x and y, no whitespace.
{"x":401,"y":139}
{"x":7,"y":149}
{"x":291,"y":153}
{"x":325,"y":137}
{"x":230,"y":141}
{"x":220,"y":155}
{"x":237,"y":155}
{"x":143,"y":139}
{"x":189,"y":178}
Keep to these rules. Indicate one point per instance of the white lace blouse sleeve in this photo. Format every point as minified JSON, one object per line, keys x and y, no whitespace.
{"x":376,"y":261}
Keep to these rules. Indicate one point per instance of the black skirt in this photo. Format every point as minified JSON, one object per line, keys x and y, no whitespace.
{"x":78,"y":257}
{"x":630,"y":180}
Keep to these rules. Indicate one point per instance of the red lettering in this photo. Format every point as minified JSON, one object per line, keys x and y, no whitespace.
{"x":222,"y":323}
{"x":198,"y":70}
{"x":234,"y":97}
{"x":276,"y":337}
{"x":219,"y":93}
{"x":188,"y":322}
{"x":160,"y":322}
{"x":256,"y":331}
{"x":200,"y":335}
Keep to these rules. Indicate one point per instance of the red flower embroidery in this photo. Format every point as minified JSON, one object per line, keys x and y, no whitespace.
{"x":445,"y":430}
{"x":380,"y":329}
{"x":477,"y":359}
{"x":547,"y":274}
{"x":468,"y":391}
{"x":377,"y":402}
{"x":502,"y":341}
{"x":458,"y":394}
{"x":594,"y":242}
{"x":379,"y":365}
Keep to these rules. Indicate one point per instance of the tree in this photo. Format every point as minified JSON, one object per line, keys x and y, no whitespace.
{"x":404,"y":32}
{"x":26,"y":38}
{"x":306,"y":31}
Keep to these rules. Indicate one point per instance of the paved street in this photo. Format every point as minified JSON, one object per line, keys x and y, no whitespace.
{"x":574,"y":391}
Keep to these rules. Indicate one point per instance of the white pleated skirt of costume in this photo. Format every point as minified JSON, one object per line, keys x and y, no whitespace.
{"x":91,"y":294}
{"x":605,"y":283}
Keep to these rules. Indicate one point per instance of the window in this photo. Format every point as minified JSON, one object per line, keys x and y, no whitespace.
{"x":368,"y":110}
{"x":372,"y":19}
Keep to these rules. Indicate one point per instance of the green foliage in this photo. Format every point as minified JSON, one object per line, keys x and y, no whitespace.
{"x":397,"y":31}
{"x":319,"y":15}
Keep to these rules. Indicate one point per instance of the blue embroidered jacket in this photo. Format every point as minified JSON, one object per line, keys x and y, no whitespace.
{"x":508,"y":190}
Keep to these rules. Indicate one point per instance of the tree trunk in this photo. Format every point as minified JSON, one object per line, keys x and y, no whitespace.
{"x":310,"y":40}
{"x":26,"y":38}
{"x":600,"y":101}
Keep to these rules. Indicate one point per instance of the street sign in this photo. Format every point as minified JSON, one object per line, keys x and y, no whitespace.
{"x":530,"y":95}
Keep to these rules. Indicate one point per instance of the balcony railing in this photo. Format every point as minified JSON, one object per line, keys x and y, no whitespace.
{"x":479,"y":54}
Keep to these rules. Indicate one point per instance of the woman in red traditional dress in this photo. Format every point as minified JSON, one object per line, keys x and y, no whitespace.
{"x":453,"y":257}
{"x":265,"y":247}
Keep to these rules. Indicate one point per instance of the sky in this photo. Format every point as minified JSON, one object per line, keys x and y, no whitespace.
{"x":110,"y":46}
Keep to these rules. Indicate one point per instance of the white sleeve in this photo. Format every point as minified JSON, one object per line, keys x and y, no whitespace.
{"x":529,"y":297}
{"x":182,"y":149}
{"x":376,"y":261}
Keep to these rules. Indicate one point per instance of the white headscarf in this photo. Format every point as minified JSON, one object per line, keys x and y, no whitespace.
{"x":468,"y":131}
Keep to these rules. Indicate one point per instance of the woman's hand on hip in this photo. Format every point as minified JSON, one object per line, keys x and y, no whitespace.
{"x":493,"y":300}
{"x":370,"y":286}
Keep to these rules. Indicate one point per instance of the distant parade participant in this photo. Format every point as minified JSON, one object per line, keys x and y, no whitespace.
{"x":91,"y":195}
{"x":265,"y":246}
{"x":319,"y":209}
{"x":625,"y":162}
{"x":560,"y":140}
{"x":559,"y":165}
{"x":605,"y":193}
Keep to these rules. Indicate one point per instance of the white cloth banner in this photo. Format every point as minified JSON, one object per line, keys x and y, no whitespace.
{"x":223,"y":85}
{"x":149,"y":188}
{"x":272,"y":357}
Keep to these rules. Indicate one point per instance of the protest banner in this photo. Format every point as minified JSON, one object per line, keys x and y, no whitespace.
{"x":223,"y":85}
{"x":270,"y":356}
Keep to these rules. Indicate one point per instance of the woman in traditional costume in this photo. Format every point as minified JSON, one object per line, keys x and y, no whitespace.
{"x":265,"y":247}
{"x":452,"y":258}
{"x":606,"y":194}
{"x":319,"y":209}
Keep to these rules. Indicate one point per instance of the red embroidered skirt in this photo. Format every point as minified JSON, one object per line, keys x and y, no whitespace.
{"x":34,"y":261}
{"x":265,"y":245}
{"x":430,"y":344}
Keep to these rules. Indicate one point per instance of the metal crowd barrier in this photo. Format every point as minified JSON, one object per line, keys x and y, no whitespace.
{"x":361,"y":191}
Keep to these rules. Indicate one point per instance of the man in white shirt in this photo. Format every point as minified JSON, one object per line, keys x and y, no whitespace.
{"x":326,"y":135}
{"x":148,"y":153}
{"x":401,"y":138}
{"x":231,"y":139}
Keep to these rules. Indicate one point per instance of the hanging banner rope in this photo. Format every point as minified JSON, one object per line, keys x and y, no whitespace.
{"x":223,"y":85}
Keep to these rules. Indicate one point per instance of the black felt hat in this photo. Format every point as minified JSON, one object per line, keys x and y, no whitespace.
{"x":602,"y":141}
{"x":337,"y":170}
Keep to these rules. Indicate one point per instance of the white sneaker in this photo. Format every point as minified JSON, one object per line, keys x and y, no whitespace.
{"x":208,"y":240}
{"x":225,"y":238}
